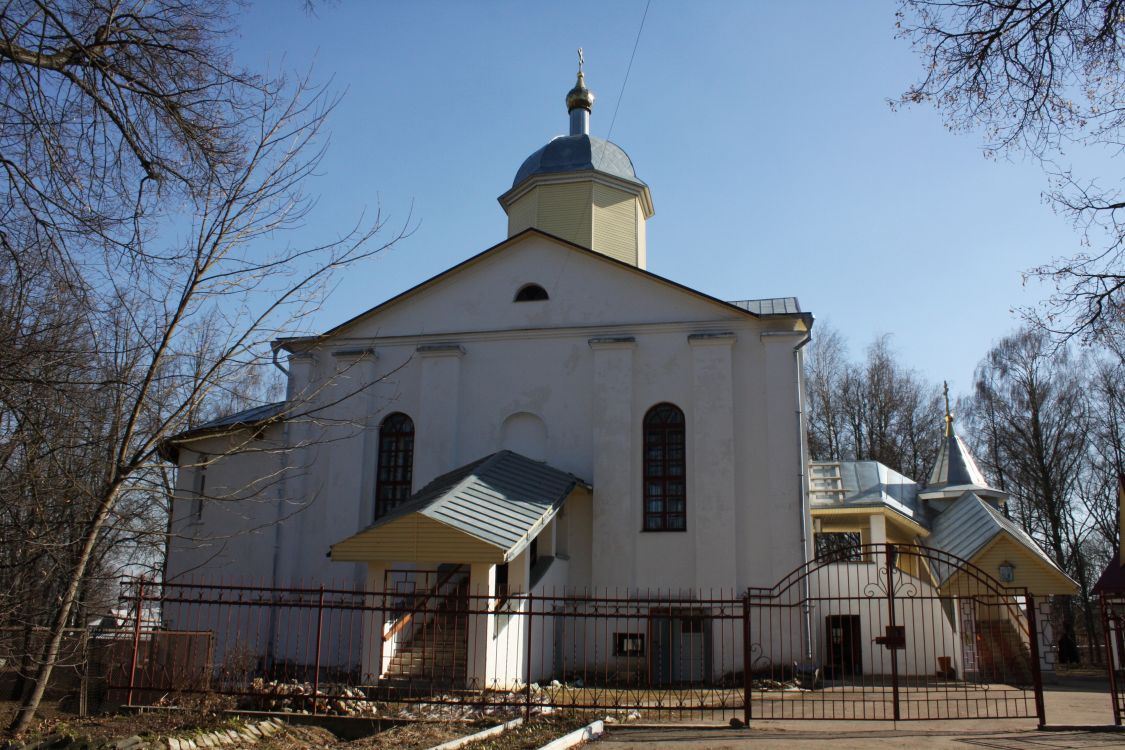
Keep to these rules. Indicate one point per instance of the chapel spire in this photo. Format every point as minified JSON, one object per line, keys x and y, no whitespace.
{"x":948,"y":412}
{"x":579,"y":102}
{"x":582,"y":189}
{"x":956,"y":471}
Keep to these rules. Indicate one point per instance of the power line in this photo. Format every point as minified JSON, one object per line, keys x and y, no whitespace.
{"x":621,"y":95}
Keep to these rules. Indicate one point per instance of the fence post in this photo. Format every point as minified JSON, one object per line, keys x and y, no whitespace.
{"x":1109,"y":629}
{"x":892,"y":647}
{"x":316,"y":661}
{"x":747,"y":680}
{"x":527,"y":660}
{"x":1036,"y":675}
{"x":136,"y":639}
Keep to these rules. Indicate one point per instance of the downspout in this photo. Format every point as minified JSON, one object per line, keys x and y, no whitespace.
{"x":275,"y":564}
{"x":802,"y":492}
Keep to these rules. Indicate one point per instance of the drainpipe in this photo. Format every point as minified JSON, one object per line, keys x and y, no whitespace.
{"x":275,"y":564}
{"x":802,"y":491}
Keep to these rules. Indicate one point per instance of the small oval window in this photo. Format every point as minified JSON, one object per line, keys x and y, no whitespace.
{"x":531,"y":293}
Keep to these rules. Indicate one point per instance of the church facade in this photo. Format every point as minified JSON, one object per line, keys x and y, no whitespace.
{"x":547,"y":414}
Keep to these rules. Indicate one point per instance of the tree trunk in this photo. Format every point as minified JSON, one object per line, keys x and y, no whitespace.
{"x":50,"y":655}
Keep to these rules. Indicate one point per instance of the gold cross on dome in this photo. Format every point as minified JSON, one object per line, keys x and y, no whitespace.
{"x":580,"y":60}
{"x":948,"y":413}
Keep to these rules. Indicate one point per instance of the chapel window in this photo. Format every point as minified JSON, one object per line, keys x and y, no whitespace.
{"x":838,"y":546}
{"x":199,"y":491}
{"x":531,"y":293}
{"x":665,"y":503}
{"x":396,"y":462}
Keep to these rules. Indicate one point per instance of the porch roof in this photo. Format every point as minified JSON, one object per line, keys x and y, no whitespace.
{"x":970,"y":525}
{"x":500,"y":502}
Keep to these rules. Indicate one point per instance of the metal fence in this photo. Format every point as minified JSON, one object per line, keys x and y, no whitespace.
{"x":89,"y":661}
{"x":878,"y":632}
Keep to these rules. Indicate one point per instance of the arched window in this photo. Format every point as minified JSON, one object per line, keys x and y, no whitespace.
{"x":396,"y":462}
{"x":531,"y":293}
{"x":665,"y":477}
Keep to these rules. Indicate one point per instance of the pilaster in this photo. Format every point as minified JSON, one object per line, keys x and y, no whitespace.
{"x":435,"y":448}
{"x":711,"y":450}
{"x":616,"y":504}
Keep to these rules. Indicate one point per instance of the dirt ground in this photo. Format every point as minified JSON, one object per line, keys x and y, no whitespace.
{"x":50,"y":719}
{"x":1073,"y":703}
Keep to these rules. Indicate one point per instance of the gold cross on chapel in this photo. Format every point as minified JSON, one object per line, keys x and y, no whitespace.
{"x":948,"y":413}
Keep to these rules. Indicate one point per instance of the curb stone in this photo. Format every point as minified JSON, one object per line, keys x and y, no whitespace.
{"x":591,"y":731}
{"x":481,"y":735}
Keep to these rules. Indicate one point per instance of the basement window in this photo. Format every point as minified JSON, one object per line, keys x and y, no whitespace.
{"x":531,"y":293}
{"x":628,"y":644}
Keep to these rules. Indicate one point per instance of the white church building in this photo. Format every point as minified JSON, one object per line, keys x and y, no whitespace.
{"x":545,"y":414}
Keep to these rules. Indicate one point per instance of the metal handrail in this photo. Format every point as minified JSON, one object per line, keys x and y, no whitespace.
{"x":409,"y":616}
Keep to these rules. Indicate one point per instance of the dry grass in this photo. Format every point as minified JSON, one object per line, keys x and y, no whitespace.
{"x":51,"y":719}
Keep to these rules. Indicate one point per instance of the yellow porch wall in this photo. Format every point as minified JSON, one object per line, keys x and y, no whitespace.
{"x":415,"y":538}
{"x":898,"y":530}
{"x":1031,"y":571}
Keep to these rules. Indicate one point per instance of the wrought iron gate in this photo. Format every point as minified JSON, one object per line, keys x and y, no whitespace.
{"x":893,"y":632}
{"x":1113,"y":626}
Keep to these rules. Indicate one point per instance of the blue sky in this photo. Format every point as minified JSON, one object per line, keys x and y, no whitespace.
{"x":776,"y":166}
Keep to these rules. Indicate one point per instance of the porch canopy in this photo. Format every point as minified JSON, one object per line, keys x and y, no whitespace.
{"x":487,"y":511}
{"x":974,"y":530}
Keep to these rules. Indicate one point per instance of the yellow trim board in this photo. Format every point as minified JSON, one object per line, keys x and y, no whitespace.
{"x":861,"y":511}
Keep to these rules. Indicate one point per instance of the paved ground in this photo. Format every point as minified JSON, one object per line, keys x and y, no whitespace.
{"x":1077,"y":703}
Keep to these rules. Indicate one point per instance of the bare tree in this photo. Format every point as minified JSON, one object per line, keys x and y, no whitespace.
{"x":825,"y":365}
{"x":110,"y":109}
{"x":875,"y":409}
{"x":1106,"y":391}
{"x":147,"y":185}
{"x":148,"y":339}
{"x":1040,"y":76}
{"x":1033,"y":414}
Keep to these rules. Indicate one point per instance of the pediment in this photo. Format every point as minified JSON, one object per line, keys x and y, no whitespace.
{"x":585,"y":289}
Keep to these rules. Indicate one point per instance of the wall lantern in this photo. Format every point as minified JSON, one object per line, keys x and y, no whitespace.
{"x":1007,"y":572}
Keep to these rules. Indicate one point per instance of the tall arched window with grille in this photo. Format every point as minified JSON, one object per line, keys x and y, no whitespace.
{"x":396,"y":462}
{"x":665,"y":475}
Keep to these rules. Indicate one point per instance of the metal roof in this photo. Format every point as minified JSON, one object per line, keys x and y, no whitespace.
{"x":503,"y":499}
{"x":248,"y":416}
{"x":576,"y":153}
{"x":1112,"y":579}
{"x":769,"y":306}
{"x":869,"y":483}
{"x":956,"y":466}
{"x":968,"y":525}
